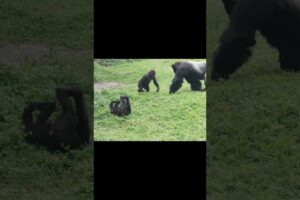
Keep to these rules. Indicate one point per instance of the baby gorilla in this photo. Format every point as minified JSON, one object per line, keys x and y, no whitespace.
{"x":145,"y":81}
{"x":70,"y":128}
{"x":122,"y":107}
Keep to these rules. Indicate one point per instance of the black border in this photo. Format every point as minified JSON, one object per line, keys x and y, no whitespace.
{"x":150,"y":169}
{"x":150,"y":29}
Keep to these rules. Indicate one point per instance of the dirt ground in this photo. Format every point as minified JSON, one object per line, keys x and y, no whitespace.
{"x":107,"y":85}
{"x":16,"y":54}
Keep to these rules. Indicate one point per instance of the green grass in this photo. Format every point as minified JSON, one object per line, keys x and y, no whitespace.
{"x":253,"y":125}
{"x":27,"y":172}
{"x":56,"y":22}
{"x":155,"y":116}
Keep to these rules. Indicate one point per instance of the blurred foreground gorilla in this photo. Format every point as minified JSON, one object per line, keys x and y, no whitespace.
{"x":193,"y":72}
{"x":70,"y":128}
{"x":277,"y":20}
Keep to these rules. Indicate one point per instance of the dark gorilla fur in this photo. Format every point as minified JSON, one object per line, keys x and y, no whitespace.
{"x":145,"y":81}
{"x":71,"y":127}
{"x":277,"y":20}
{"x":192,"y":72}
{"x":122,"y":107}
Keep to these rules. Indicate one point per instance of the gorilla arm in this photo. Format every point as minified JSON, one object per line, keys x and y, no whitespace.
{"x":235,"y":42}
{"x":156,"y":84}
{"x":128,"y":106}
{"x":176,"y":83}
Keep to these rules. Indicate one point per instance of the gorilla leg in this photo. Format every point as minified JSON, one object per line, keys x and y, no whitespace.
{"x":72,"y":126}
{"x":140,"y":87}
{"x":196,"y":85}
{"x":147,"y":88}
{"x":38,"y":131}
{"x":113,"y":105}
{"x":27,"y":118}
{"x":82,"y":114}
{"x":45,"y":110}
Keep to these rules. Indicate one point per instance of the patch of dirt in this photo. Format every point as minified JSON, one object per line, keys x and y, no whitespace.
{"x":107,"y":85}
{"x":15,"y":54}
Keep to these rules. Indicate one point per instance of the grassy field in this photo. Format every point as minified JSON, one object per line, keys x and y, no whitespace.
{"x":64,"y":30}
{"x":155,"y":116}
{"x":253,"y":147}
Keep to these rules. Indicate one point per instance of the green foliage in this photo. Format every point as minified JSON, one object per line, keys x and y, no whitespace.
{"x":112,"y":62}
{"x":155,"y":116}
{"x":67,"y":23}
{"x":252,"y":125}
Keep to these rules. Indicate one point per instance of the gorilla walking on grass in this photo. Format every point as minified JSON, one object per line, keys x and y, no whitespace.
{"x":277,"y":20}
{"x":145,"y":81}
{"x":193,"y":72}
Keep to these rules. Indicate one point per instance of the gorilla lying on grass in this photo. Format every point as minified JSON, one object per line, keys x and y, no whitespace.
{"x":192,"y":72}
{"x":70,"y":128}
{"x":120,"y":107}
{"x":277,"y":20}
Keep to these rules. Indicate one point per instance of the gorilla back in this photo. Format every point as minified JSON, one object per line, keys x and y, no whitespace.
{"x":277,"y":20}
{"x":192,"y":72}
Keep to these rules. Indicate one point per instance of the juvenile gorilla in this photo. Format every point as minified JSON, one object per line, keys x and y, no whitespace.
{"x":193,"y":72}
{"x":122,"y":107}
{"x":70,"y":128}
{"x":145,"y":81}
{"x":277,"y":20}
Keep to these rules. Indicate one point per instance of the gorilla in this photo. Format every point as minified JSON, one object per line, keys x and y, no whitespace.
{"x":193,"y":72}
{"x":70,"y":128}
{"x":277,"y":20}
{"x":122,"y":107}
{"x":145,"y":81}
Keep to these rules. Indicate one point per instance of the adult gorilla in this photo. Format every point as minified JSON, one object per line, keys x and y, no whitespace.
{"x":193,"y":72}
{"x":277,"y":20}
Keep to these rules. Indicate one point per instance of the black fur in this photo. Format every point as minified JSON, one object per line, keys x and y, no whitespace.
{"x":277,"y":20}
{"x":192,"y":72}
{"x":122,"y":107}
{"x":71,"y":127}
{"x":145,"y":81}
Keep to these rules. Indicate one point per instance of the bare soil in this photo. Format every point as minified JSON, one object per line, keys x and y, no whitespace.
{"x":16,"y":54}
{"x":107,"y":85}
